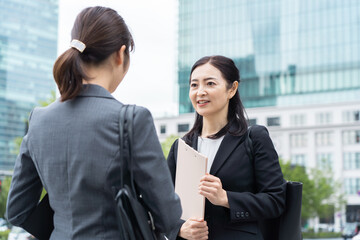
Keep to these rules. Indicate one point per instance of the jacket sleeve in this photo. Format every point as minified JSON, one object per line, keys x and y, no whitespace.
{"x":269,"y":199}
{"x":26,"y":186}
{"x":171,"y":161}
{"x":151,"y":174}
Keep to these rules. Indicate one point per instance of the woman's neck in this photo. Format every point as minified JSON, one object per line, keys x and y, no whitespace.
{"x":212,"y":125}
{"x":99,"y":76}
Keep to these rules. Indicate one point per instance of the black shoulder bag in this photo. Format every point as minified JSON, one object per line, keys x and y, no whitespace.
{"x":40,"y":223}
{"x":135,"y":221}
{"x":288,"y":225}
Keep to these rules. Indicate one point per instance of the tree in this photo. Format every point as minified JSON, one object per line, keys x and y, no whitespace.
{"x":329,"y":197}
{"x":320,"y":191}
{"x":5,"y":186}
{"x":298,"y":174}
{"x":166,"y":145}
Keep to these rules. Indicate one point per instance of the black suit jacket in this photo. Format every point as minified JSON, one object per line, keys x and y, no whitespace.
{"x":255,"y":190}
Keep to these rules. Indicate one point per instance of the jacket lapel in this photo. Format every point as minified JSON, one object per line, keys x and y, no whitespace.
{"x":227,"y":146}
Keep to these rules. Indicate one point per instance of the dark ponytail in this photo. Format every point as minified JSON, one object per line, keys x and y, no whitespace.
{"x":69,"y":74}
{"x":103,"y":31}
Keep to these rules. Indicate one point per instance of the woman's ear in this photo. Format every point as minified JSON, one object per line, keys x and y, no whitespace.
{"x":120,"y":55}
{"x":233,"y":89}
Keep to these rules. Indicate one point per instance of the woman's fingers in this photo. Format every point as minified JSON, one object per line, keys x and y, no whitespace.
{"x":194,"y":229}
{"x":209,"y":177}
{"x":197,"y":224}
{"x":211,"y":184}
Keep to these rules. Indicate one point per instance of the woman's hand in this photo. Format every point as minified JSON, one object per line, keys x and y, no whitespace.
{"x":194,"y":229}
{"x":211,"y":188}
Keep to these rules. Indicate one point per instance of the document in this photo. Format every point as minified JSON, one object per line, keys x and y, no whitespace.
{"x":190,"y":167}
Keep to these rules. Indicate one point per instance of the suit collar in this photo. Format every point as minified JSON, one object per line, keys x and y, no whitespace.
{"x":93,"y":90}
{"x":227,"y":146}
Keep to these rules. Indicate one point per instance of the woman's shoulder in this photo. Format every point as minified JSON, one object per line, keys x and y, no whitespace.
{"x":142,"y":114}
{"x":258,"y":131}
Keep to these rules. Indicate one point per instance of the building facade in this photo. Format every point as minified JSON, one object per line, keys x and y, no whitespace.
{"x":299,"y":65}
{"x":28,"y":49}
{"x":290,"y":53}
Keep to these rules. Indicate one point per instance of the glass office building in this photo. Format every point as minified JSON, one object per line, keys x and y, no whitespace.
{"x":289,"y":53}
{"x":28,"y":49}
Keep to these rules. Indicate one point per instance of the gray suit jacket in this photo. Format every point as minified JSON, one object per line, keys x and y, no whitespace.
{"x":72,"y":149}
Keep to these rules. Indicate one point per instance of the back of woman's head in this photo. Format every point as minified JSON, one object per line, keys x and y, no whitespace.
{"x":236,"y":112}
{"x":103,"y":31}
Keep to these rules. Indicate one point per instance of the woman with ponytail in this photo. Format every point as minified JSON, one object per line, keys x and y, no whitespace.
{"x":238,"y":191}
{"x":72,"y":146}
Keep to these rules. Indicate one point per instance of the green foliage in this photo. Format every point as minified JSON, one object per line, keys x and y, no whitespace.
{"x":5,"y":186}
{"x":17,"y":142}
{"x":52,"y":98}
{"x":166,"y":145}
{"x":4,"y":235}
{"x":320,"y":192}
{"x":321,"y":235}
{"x":298,"y":174}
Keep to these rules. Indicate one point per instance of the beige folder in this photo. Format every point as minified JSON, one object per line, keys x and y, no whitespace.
{"x":190,"y":167}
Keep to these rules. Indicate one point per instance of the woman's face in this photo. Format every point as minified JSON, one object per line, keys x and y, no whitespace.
{"x":209,"y":93}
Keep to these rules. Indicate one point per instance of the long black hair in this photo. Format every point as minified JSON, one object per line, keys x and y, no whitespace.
{"x":236,"y":112}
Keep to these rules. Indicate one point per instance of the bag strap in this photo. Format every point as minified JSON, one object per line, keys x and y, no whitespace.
{"x":126,"y":139}
{"x":249,"y":146}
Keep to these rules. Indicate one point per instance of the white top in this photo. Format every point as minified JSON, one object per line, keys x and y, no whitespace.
{"x":209,"y":148}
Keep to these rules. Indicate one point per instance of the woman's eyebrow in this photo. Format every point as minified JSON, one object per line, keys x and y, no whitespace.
{"x":205,"y":79}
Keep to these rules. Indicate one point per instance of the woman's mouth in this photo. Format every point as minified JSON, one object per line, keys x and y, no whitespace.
{"x":202,"y":102}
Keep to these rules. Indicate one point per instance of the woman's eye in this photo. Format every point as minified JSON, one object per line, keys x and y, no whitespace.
{"x":210,"y":83}
{"x":193,"y":85}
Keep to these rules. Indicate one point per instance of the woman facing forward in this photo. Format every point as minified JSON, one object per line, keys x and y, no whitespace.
{"x":72,"y":146}
{"x":238,"y":192}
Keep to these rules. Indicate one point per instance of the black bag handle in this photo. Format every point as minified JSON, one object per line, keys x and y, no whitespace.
{"x":126,"y":138}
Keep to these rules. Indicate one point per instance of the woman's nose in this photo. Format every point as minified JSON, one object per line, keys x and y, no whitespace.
{"x":201,"y":91}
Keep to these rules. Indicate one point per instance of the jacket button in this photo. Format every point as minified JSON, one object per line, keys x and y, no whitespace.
{"x":237,"y":214}
{"x":242,"y":214}
{"x":247,"y":214}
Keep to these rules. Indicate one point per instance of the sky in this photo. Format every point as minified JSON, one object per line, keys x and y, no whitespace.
{"x":151,"y":79}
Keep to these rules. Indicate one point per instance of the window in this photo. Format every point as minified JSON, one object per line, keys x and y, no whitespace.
{"x":297,"y":120}
{"x":351,"y":137}
{"x":298,"y":159}
{"x":183,"y":127}
{"x":298,"y":140}
{"x":252,"y":121}
{"x":324,"y":138}
{"x":162,"y":129}
{"x":273,"y":121}
{"x":352,"y":185}
{"x":351,"y":116}
{"x":324,"y":160}
{"x":324,"y":118}
{"x":351,"y":160}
